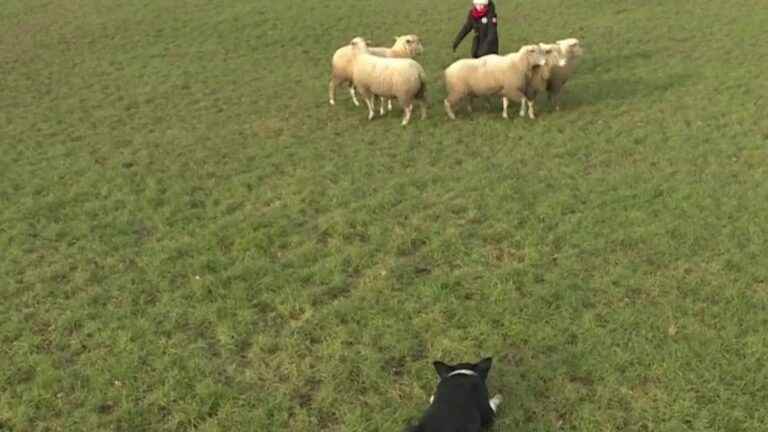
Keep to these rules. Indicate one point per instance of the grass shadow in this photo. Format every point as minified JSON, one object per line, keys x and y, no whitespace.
{"x":600,"y":91}
{"x":590,"y":65}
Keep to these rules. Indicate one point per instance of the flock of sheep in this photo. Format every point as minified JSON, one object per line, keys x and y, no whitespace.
{"x":389,"y":73}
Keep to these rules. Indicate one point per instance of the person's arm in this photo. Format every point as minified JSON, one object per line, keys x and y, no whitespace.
{"x":463,"y":32}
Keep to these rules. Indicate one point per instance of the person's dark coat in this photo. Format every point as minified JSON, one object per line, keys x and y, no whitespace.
{"x":486,"y":37}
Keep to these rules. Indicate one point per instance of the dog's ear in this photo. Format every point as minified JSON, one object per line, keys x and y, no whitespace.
{"x":442,"y":369}
{"x":483,"y":367}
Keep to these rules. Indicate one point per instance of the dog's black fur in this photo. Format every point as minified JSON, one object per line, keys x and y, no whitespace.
{"x":461,"y":401}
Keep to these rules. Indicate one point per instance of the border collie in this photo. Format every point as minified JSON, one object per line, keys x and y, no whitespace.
{"x":460,"y":403}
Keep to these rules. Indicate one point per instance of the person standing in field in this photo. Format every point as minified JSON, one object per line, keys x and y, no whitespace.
{"x":483,"y":20}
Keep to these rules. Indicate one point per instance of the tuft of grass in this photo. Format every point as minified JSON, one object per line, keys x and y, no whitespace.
{"x":192,"y":239}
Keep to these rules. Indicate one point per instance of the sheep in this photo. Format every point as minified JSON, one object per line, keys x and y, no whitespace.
{"x":341,"y":64}
{"x":540,"y":75}
{"x":407,"y":46}
{"x":572,"y":51}
{"x":402,"y":78}
{"x":491,"y":75}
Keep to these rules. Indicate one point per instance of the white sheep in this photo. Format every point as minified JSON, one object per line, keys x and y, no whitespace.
{"x":537,"y":82}
{"x":407,"y":46}
{"x":570,"y":49}
{"x":341,"y":65}
{"x":491,"y":75}
{"x":401,"y":78}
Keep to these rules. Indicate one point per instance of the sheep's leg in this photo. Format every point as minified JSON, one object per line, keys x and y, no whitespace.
{"x":448,"y":110}
{"x":407,"y":116}
{"x":531,"y":114}
{"x":453,"y":100}
{"x":505,"y":105}
{"x":423,"y":105}
{"x":332,"y":91}
{"x":522,"y":108}
{"x":381,"y":107}
{"x":371,"y":102}
{"x":354,"y":96}
{"x":469,"y":103}
{"x":389,"y":105}
{"x":554,"y":99}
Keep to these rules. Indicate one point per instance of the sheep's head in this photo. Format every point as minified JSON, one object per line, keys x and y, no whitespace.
{"x":552,"y":57}
{"x":553,"y":54}
{"x":571,"y":47}
{"x":534,"y":54}
{"x":410,"y":44}
{"x":359,"y":44}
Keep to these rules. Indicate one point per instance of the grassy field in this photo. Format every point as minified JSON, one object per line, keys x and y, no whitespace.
{"x":192,"y":239}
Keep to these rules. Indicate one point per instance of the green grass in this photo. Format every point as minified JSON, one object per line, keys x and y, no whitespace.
{"x":191,"y":238}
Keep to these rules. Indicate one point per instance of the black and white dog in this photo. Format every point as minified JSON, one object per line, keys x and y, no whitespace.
{"x":461,"y":402}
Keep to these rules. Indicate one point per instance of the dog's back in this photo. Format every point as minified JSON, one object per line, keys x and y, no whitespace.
{"x":461,"y":401}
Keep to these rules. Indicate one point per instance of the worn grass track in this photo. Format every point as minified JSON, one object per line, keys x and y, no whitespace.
{"x":191,"y":238}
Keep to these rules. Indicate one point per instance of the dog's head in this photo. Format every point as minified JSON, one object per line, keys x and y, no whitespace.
{"x":480,"y":369}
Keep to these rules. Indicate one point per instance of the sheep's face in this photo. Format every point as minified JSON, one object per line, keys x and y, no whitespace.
{"x":409,"y":43}
{"x":553,"y":54}
{"x":571,"y":47}
{"x":535,"y":55}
